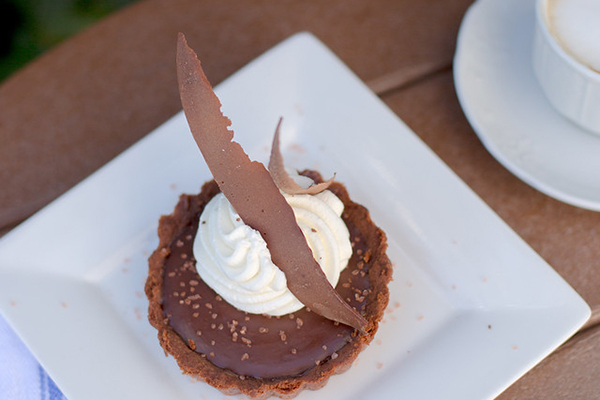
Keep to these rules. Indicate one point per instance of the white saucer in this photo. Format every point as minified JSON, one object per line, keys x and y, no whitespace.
{"x":506,"y":107}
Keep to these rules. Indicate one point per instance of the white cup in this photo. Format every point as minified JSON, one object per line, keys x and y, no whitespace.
{"x":571,"y":86}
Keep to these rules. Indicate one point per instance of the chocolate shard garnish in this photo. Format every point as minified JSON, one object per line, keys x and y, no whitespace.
{"x":280,"y":176}
{"x":251,"y":191}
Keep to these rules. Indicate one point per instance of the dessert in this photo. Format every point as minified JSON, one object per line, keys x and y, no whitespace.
{"x":279,"y":329}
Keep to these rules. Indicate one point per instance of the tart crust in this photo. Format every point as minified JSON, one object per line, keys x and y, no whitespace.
{"x":375,"y":269}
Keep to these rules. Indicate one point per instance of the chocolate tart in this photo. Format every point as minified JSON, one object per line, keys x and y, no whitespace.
{"x":259,"y":355}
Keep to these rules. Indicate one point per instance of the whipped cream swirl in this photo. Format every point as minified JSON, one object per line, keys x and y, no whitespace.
{"x":233,"y":259}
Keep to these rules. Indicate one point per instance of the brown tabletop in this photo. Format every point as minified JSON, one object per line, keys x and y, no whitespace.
{"x":81,"y":104}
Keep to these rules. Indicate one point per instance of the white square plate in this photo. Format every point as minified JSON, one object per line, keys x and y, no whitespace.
{"x":472,"y":307}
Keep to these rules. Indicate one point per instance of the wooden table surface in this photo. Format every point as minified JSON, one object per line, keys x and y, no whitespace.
{"x":78,"y":106}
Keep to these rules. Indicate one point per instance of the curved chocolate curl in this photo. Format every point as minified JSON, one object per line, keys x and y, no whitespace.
{"x":253,"y":194}
{"x":280,"y":176}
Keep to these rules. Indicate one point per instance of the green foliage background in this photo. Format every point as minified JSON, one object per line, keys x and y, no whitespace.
{"x":30,"y":27}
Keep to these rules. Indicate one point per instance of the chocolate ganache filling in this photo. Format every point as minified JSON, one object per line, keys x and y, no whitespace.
{"x":261,"y":346}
